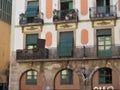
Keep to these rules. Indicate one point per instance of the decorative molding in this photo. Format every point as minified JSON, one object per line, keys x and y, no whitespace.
{"x":66,"y":26}
{"x":31,"y":28}
{"x":103,"y":23}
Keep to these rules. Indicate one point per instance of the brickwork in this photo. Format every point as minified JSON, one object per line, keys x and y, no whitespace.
{"x":49,"y":70}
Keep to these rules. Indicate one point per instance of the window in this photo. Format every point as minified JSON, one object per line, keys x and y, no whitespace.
{"x":5,"y":10}
{"x":31,"y":41}
{"x":31,"y":77}
{"x":103,"y":6}
{"x":32,"y":11}
{"x":66,"y":4}
{"x":105,"y":76}
{"x":66,"y":76}
{"x":104,"y":43}
{"x":65,"y":46}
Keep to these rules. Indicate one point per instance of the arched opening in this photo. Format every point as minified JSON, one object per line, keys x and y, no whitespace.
{"x":66,"y":79}
{"x":105,"y":79}
{"x":31,"y":80}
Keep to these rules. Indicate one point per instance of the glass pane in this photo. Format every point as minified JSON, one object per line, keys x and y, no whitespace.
{"x":64,"y":72}
{"x":107,"y":47}
{"x":101,"y":43}
{"x":100,"y":38}
{"x":108,"y":42}
{"x":29,"y":73}
{"x":64,"y":76}
{"x":35,"y":73}
{"x":102,"y":81}
{"x":35,"y":77}
{"x":30,"y":47}
{"x":29,"y":77}
{"x":101,"y":48}
{"x":108,"y":38}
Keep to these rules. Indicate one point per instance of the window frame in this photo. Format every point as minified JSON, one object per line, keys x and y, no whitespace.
{"x":104,"y":35}
{"x":30,"y":19}
{"x":68,"y":77}
{"x":105,"y":76}
{"x":34,"y":45}
{"x":31,"y":81}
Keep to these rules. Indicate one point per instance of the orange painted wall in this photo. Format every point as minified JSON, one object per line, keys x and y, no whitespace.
{"x":48,"y":39}
{"x":84,"y":36}
{"x":119,"y":4}
{"x":48,"y":9}
{"x":5,"y":31}
{"x":84,"y":7}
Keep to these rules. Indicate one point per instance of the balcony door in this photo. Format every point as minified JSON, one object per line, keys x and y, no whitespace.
{"x":65,"y":46}
{"x":66,"y":4}
{"x":103,"y":6}
{"x":104,"y":43}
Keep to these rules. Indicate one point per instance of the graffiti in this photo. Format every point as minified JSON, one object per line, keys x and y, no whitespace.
{"x":104,"y":88}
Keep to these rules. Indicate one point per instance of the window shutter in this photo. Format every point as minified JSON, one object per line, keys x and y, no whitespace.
{"x":31,"y":39}
{"x":65,"y":45}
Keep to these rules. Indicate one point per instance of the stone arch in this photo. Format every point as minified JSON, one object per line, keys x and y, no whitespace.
{"x":58,"y":86}
{"x":114,"y":73}
{"x":22,"y":77}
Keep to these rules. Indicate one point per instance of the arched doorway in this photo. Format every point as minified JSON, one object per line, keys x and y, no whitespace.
{"x":31,"y":80}
{"x":105,"y":79}
{"x":66,"y":79}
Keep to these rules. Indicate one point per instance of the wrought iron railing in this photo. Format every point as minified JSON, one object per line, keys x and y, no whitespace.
{"x":88,"y":52}
{"x":65,"y":15}
{"x":32,"y":54}
{"x":103,"y":12}
{"x":23,"y":20}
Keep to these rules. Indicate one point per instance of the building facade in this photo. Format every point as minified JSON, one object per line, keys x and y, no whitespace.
{"x":5,"y":31}
{"x":65,"y":45}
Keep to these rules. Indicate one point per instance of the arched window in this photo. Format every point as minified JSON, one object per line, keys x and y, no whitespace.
{"x":31,"y":77}
{"x":66,"y":77}
{"x":105,"y":76}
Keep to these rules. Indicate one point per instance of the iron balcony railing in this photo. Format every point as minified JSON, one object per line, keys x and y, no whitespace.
{"x":32,"y":54}
{"x":103,"y":12}
{"x":88,"y":52}
{"x":23,"y":20}
{"x":65,"y":15}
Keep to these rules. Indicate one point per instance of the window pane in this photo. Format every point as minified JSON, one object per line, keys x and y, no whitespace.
{"x":29,"y":73}
{"x":105,"y":76}
{"x":31,"y":78}
{"x":66,"y":77}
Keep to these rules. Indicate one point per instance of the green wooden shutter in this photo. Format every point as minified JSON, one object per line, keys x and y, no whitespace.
{"x":65,"y":45}
{"x":31,"y":39}
{"x":32,"y":9}
{"x":70,"y":5}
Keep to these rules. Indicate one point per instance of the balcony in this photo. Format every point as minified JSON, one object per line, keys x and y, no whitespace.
{"x":23,"y":20}
{"x":65,"y":15}
{"x":31,"y":54}
{"x":87,"y":52}
{"x":98,"y":13}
